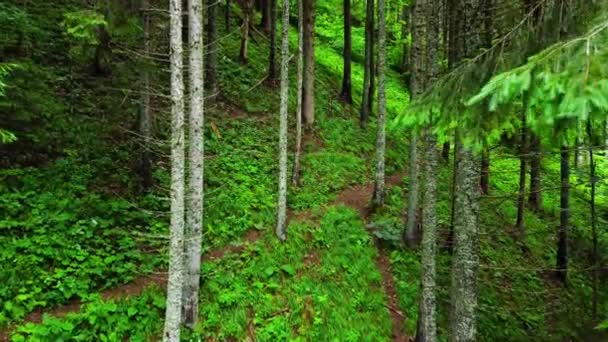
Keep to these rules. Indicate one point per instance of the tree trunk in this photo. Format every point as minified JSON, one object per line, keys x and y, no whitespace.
{"x":367,"y":71}
{"x":484,"y":183}
{"x":411,"y":228}
{"x":194,"y":217}
{"x":417,"y":84}
{"x":346,"y":93}
{"x":211,"y":67}
{"x":308,"y":92}
{"x":606,"y":138}
{"x":145,"y":118}
{"x":245,"y":31}
{"x":595,"y":256}
{"x":378,"y":199}
{"x":373,"y":71}
{"x":564,"y":216}
{"x":176,"y":250}
{"x":273,"y":73}
{"x":266,"y":15}
{"x":282,"y":205}
{"x":445,"y":152}
{"x":535,"y":197}
{"x":521,"y":194}
{"x":406,"y":24}
{"x":300,"y":72}
{"x":465,"y":261}
{"x":427,"y":321}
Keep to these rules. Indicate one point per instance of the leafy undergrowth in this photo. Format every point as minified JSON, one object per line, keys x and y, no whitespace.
{"x":519,"y":298}
{"x":308,"y":288}
{"x":134,"y":319}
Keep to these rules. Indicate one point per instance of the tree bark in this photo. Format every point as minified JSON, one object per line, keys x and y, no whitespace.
{"x":211,"y":67}
{"x":564,"y":216}
{"x":406,"y":24}
{"x":417,"y":84}
{"x":282,"y":203}
{"x":535,"y":198}
{"x":145,"y":118}
{"x":521,"y":194}
{"x":176,"y":250}
{"x":484,"y":183}
{"x":378,"y":199}
{"x":194,"y":217}
{"x":367,"y":71}
{"x":245,"y":31}
{"x":427,"y":321}
{"x":346,"y":94}
{"x":595,"y":253}
{"x":445,"y":152}
{"x":308,"y":92}
{"x":373,"y":71}
{"x":273,"y":73}
{"x":300,"y":72}
{"x":266,"y":15}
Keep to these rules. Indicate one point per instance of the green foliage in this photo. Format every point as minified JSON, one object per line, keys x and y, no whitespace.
{"x":83,"y":26}
{"x":134,"y":319}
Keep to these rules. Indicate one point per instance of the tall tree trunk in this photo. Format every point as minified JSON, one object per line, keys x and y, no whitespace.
{"x":564,"y":216}
{"x":194,"y":217}
{"x":273,"y":73}
{"x":300,"y":72}
{"x":211,"y":67}
{"x":282,"y":205}
{"x":176,"y":250}
{"x":381,"y":135}
{"x":484,"y":183}
{"x":227,"y":15}
{"x":606,"y":138}
{"x":465,"y":261}
{"x":535,"y":197}
{"x":373,"y":68}
{"x":266,"y":15}
{"x":427,"y":321}
{"x":347,"y":94}
{"x":417,"y":84}
{"x":595,"y":256}
{"x":145,"y":118}
{"x":406,"y":24}
{"x":245,"y":31}
{"x":521,"y":194}
{"x":308,"y":92}
{"x":367,"y":71}
{"x":578,"y":156}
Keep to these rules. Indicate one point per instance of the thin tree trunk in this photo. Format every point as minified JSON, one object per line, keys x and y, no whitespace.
{"x":245,"y":31}
{"x":596,"y":259}
{"x":578,"y":156}
{"x":521,"y":194}
{"x":417,"y":84}
{"x":266,"y":15}
{"x":411,"y":228}
{"x":485,"y":171}
{"x":606,"y":138}
{"x":346,"y":93}
{"x":145,"y":119}
{"x":535,"y":197}
{"x":367,"y":71}
{"x":308,"y":92}
{"x":300,"y":72}
{"x":211,"y":67}
{"x":176,"y":250}
{"x":453,"y":195}
{"x":373,"y":71}
{"x":445,"y":151}
{"x":427,"y":321}
{"x":273,"y":73}
{"x":282,"y":205}
{"x":564,"y":216}
{"x":381,"y":135}
{"x":194,"y":217}
{"x":406,"y":24}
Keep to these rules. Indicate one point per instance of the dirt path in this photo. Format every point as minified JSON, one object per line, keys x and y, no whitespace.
{"x":359,"y":198}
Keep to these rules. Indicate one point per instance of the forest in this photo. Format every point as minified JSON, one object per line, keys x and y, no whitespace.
{"x":304,"y":170}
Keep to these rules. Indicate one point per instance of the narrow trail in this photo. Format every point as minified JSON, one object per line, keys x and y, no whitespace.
{"x":357,"y":197}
